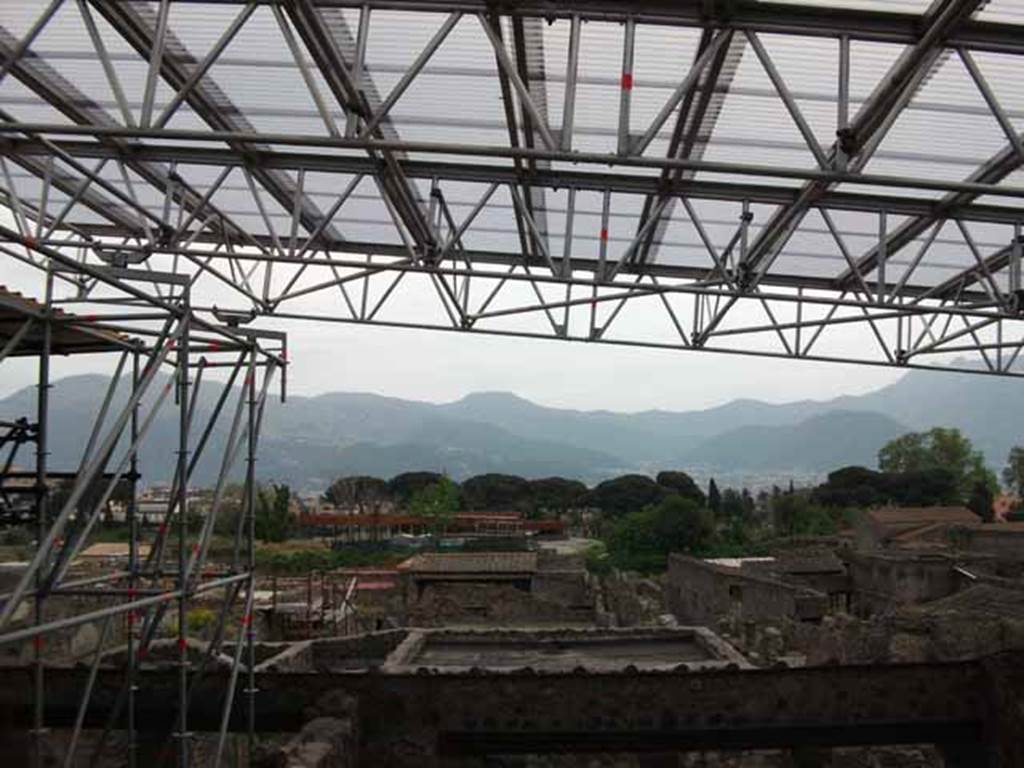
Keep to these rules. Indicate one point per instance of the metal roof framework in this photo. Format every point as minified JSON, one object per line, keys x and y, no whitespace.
{"x":787,"y":179}
{"x":768,"y":178}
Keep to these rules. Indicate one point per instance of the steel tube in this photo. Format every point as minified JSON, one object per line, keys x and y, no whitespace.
{"x":27,"y":633}
{"x":549,"y":155}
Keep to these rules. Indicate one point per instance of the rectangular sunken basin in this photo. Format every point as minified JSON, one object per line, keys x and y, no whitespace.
{"x":566,"y":650}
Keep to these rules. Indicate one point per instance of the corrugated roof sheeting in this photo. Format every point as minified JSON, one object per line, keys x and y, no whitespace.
{"x":945,"y":132}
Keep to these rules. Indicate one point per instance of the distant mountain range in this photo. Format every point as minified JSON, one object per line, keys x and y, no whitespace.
{"x":310,"y":440}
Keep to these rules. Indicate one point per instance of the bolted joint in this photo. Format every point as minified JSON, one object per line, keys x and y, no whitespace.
{"x":902,"y":357}
{"x":1017,"y":301}
{"x":744,"y":276}
{"x":847,"y":141}
{"x":122,"y":259}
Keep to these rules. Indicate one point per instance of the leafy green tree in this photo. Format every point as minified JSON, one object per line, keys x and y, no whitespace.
{"x":940,"y":448}
{"x":749,"y":504}
{"x":794,"y":514}
{"x":852,"y":487}
{"x":906,"y":453}
{"x":405,"y":485}
{"x":980,"y":502}
{"x":439,"y":502}
{"x":714,"y":498}
{"x":733,"y":507}
{"x":861,"y":487}
{"x":681,"y":484}
{"x":555,"y":496}
{"x":1013,"y":473}
{"x":496,"y":492}
{"x":362,"y":494}
{"x":231,"y":505}
{"x":625,"y":494}
{"x":273,"y":516}
{"x":642,"y":540}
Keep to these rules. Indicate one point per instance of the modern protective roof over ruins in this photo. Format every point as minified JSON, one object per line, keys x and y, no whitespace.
{"x":757,"y":177}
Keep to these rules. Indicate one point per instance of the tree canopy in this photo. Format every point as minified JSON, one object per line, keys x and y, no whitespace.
{"x":438,"y":501}
{"x":407,"y":484}
{"x":362,"y":493}
{"x":1013,"y":472}
{"x":625,"y":494}
{"x":555,"y":496}
{"x":642,"y":540}
{"x":681,"y":484}
{"x":939,"y":448}
{"x":794,"y":514}
{"x":496,"y":492}
{"x":273,"y":517}
{"x":862,"y":487}
{"x":714,"y":497}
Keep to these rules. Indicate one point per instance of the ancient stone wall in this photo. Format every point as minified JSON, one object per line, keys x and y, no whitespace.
{"x":369,"y":650}
{"x":71,"y":644}
{"x":995,"y":540}
{"x":698,"y":592}
{"x":441,"y":603}
{"x":569,"y":587}
{"x":632,"y":599}
{"x":880,"y":582}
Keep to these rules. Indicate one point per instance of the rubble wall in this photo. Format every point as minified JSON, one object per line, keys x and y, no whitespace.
{"x":701,"y":593}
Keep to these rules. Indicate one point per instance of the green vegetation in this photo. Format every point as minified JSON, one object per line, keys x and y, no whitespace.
{"x":862,"y":487}
{"x":681,"y":484}
{"x":362,"y":494}
{"x":200,"y":619}
{"x":273,"y":515}
{"x":439,"y":502}
{"x":939,"y":449}
{"x":293,"y":562}
{"x":406,"y":485}
{"x":714,"y":497}
{"x":496,"y":491}
{"x":555,"y":497}
{"x":625,"y":494}
{"x":642,"y":540}
{"x":1013,"y":473}
{"x":597,"y":560}
{"x":639,"y":520}
{"x":795,"y":514}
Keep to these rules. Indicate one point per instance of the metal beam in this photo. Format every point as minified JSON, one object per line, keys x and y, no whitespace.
{"x":580,"y":158}
{"x":762,"y":16}
{"x":324,"y":33}
{"x":695,"y":123}
{"x":998,"y":167}
{"x":862,"y":136}
{"x":140,"y":28}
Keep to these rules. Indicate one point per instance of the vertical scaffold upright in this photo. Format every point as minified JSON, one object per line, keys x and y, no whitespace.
{"x":147,"y":333}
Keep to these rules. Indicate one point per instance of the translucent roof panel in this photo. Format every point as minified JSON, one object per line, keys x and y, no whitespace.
{"x":759,"y":128}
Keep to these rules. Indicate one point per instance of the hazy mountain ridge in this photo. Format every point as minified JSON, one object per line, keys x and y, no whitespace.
{"x":310,"y":440}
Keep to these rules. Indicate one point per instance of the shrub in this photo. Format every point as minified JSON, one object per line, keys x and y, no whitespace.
{"x":597,"y":560}
{"x":200,"y":619}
